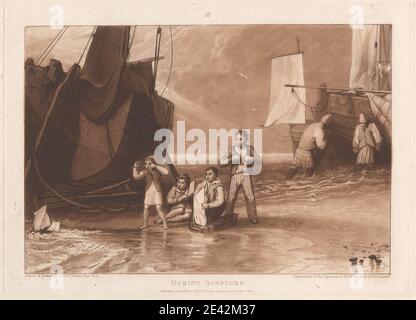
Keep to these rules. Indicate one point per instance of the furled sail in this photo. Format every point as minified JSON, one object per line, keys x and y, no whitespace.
{"x":101,"y":73}
{"x":285,"y":107}
{"x":100,"y":120}
{"x":364,"y":57}
{"x":371,"y":69}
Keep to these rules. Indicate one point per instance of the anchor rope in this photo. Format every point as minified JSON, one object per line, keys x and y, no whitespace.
{"x":67,"y":199}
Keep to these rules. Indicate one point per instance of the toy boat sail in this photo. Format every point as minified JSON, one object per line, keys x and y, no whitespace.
{"x":84,"y":128}
{"x":369,"y":92}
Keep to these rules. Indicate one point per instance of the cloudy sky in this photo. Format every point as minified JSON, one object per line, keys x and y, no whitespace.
{"x":221,"y":74}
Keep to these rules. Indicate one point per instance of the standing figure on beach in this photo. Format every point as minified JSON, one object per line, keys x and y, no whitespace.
{"x":313,"y":141}
{"x":180,"y":199}
{"x":241,"y":156}
{"x":153,"y":195}
{"x":209,"y":202}
{"x":367,"y":140}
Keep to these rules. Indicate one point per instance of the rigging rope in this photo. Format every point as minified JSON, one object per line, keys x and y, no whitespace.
{"x":311,"y":108}
{"x":42,"y":179}
{"x":157,"y":50}
{"x":46,"y":52}
{"x":52,"y":43}
{"x":68,"y":200}
{"x":106,"y":188}
{"x":86,"y":46}
{"x":171,"y":60}
{"x":131,"y":42}
{"x":42,"y":98}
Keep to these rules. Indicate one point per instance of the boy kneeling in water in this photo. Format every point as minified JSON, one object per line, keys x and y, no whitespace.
{"x":180,"y":198}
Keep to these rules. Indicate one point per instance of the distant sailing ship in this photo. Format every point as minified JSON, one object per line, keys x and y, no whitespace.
{"x":84,"y":128}
{"x":369,"y":92}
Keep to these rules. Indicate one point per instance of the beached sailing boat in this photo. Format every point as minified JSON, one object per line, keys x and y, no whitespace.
{"x":369,"y":92}
{"x":84,"y":128}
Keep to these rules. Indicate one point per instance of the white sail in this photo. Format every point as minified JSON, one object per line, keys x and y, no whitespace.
{"x":285,"y":107}
{"x":41,"y":221}
{"x":371,"y":57}
{"x":381,"y":108}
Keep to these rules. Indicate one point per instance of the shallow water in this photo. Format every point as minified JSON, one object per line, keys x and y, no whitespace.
{"x":312,"y":225}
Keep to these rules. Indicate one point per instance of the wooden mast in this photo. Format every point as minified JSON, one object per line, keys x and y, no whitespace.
{"x":352,"y":90}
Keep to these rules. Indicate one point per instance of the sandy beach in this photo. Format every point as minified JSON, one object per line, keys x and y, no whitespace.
{"x":306,"y":226}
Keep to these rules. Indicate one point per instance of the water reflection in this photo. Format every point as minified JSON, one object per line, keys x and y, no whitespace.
{"x":306,"y":226}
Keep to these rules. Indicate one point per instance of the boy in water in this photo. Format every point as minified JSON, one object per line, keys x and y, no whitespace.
{"x":153,"y":195}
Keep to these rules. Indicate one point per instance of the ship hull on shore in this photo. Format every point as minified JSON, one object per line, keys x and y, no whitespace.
{"x":84,"y":128}
{"x":345,"y":110}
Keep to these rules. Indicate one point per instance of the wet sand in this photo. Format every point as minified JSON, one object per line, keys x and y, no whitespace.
{"x":306,"y":226}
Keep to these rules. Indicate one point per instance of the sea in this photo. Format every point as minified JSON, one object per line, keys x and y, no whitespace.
{"x":334,"y":223}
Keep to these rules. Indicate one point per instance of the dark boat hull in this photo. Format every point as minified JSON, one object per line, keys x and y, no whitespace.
{"x":345,"y":110}
{"x":50,"y":176}
{"x":99,"y":120}
{"x":136,"y":144}
{"x":41,"y":84}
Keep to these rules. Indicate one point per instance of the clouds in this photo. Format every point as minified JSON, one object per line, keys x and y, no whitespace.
{"x":67,"y":50}
{"x":221,"y":74}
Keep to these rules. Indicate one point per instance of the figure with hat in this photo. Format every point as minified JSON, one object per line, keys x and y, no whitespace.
{"x":153,"y":196}
{"x":367,"y":140}
{"x":314,"y":140}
